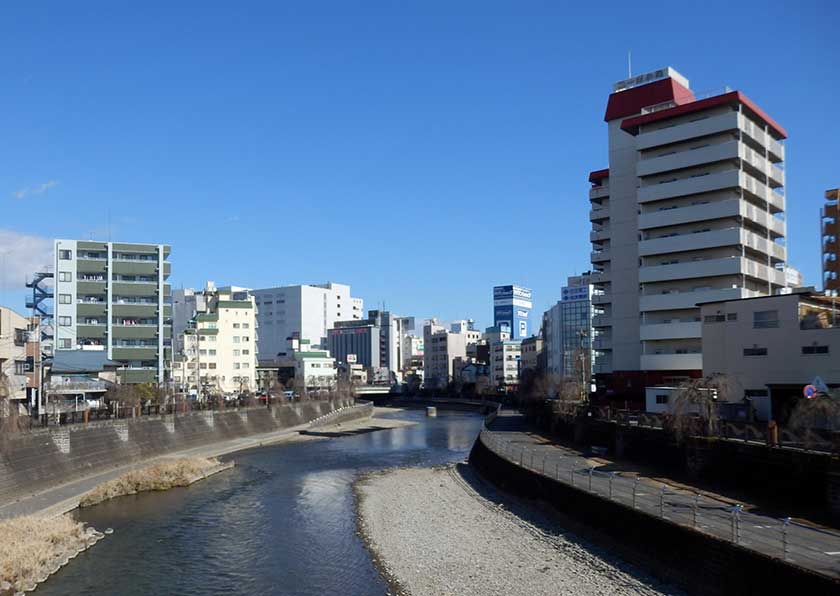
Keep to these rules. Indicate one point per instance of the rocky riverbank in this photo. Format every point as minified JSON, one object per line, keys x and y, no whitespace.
{"x":444,"y":531}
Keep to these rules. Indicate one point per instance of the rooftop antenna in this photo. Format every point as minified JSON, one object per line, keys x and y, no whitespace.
{"x":629,"y":65}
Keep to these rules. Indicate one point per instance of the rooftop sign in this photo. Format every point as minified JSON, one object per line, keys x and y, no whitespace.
{"x":650,"y":77}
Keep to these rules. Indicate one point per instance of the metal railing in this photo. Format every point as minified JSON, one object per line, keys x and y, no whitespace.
{"x":814,"y":548}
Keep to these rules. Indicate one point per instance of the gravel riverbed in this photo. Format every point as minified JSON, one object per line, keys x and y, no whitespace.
{"x":444,"y":531}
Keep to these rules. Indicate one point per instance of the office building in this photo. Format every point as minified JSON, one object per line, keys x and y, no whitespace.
{"x":218,"y":342}
{"x":769,"y":348}
{"x":830,"y":222}
{"x":305,"y":312}
{"x":691,"y":209}
{"x":376,"y":342}
{"x":511,"y":309}
{"x":567,"y":329}
{"x":441,"y":346}
{"x":115,"y":297}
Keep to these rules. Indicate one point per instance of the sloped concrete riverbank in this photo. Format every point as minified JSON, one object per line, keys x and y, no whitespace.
{"x":444,"y":531}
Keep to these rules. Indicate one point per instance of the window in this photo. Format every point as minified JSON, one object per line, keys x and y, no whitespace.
{"x":815,"y":349}
{"x":202,"y":352}
{"x":236,"y":339}
{"x":212,"y":352}
{"x":245,"y":326}
{"x":64,"y":344}
{"x":65,"y":276}
{"x":212,"y":365}
{"x":236,"y":352}
{"x":755,"y":351}
{"x":713,"y":319}
{"x":246,"y":352}
{"x":732,"y":316}
{"x":236,"y":325}
{"x":64,"y":298}
{"x":245,"y":339}
{"x":65,"y":255}
{"x":765,"y":319}
{"x":65,"y":321}
{"x":202,"y":365}
{"x":236,"y":365}
{"x":22,"y":367}
{"x":245,"y":365}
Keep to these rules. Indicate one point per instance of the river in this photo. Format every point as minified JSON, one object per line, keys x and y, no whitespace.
{"x":281,"y":522}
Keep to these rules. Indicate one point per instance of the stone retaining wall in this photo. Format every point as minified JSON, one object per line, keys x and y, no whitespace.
{"x":37,"y":460}
{"x":699,"y":563}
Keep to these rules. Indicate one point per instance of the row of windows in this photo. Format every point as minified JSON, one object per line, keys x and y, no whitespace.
{"x":756,"y":351}
{"x":762,"y":319}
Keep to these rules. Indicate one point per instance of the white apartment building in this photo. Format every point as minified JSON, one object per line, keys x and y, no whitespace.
{"x":16,"y":357}
{"x":690,"y":210}
{"x":440,"y":348}
{"x":505,"y":358}
{"x":219,"y":342}
{"x":307,"y":311}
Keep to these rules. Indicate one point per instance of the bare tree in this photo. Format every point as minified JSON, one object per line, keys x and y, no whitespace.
{"x":694,"y":409}
{"x":820,"y":412}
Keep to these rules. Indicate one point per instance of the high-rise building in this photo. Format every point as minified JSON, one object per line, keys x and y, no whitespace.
{"x":567,"y":329}
{"x":305,"y":312}
{"x":114,"y":296}
{"x":830,"y":216}
{"x":511,"y":308}
{"x":691,"y":209}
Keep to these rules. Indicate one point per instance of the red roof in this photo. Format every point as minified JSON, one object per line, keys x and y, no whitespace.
{"x":631,"y":125}
{"x":631,"y":101}
{"x":598,"y":175}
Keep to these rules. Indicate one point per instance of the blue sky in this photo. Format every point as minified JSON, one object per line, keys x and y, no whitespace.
{"x":420,"y":151}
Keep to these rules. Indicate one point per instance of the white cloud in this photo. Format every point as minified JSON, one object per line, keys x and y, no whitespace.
{"x":21,"y":255}
{"x":34,"y":190}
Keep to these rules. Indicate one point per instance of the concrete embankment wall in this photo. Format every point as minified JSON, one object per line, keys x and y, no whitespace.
{"x":699,"y":563}
{"x":37,"y":460}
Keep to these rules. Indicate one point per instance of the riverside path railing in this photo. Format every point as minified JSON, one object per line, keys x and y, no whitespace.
{"x":814,"y":548}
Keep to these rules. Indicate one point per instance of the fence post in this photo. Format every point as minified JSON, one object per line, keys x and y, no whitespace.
{"x":572,"y":475}
{"x":543,"y":468}
{"x":591,"y":469}
{"x":662,"y":501}
{"x":635,"y":484}
{"x":532,"y":460}
{"x":612,"y":475}
{"x":521,"y":455}
{"x":557,"y":471}
{"x":694,"y":510}
{"x":736,"y":524}
{"x":785,"y":549}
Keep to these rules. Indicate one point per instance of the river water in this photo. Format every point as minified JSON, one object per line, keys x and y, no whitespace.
{"x":281,"y":522}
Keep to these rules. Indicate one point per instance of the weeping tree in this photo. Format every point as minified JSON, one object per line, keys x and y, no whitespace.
{"x":694,"y":409}
{"x":820,"y":412}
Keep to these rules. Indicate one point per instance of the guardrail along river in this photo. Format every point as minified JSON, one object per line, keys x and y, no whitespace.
{"x":281,"y":522}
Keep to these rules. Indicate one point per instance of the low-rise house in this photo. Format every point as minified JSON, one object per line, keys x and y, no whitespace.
{"x":770,"y":347}
{"x":79,"y":379}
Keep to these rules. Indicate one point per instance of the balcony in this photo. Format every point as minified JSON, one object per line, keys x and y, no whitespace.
{"x":688,"y":214}
{"x":672,"y":362}
{"x":776,"y":176}
{"x":602,"y":321}
{"x":603,"y":342}
{"x":601,"y":298}
{"x":761,"y":217}
{"x":681,"y":300}
{"x":689,"y":186}
{"x":775,"y":200}
{"x":599,"y":214}
{"x":599,"y":256}
{"x":689,"y":130}
{"x":691,"y":270}
{"x":599,"y":277}
{"x":599,"y":235}
{"x":134,"y":353}
{"x":679,"y":330}
{"x":599,"y":192}
{"x":695,"y":241}
{"x":775,"y":150}
{"x":687,"y":158}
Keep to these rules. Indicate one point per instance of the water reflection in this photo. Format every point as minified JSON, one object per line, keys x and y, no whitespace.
{"x":280,"y":522}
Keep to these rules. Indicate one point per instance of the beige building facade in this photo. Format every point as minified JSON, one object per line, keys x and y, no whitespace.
{"x":772,"y":347}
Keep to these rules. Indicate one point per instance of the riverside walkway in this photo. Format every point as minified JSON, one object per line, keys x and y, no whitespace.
{"x":814,"y":548}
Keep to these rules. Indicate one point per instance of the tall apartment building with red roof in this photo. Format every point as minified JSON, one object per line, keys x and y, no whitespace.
{"x":690,"y":210}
